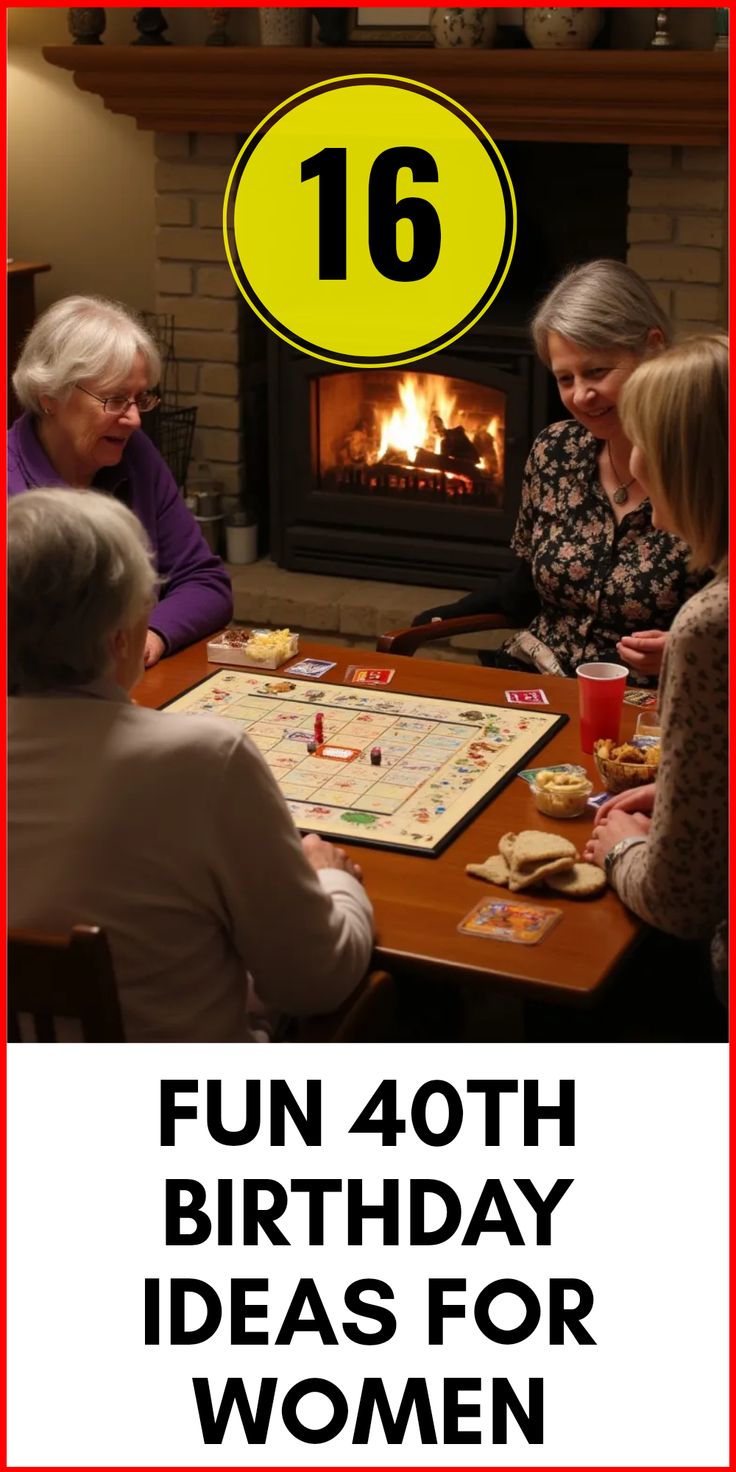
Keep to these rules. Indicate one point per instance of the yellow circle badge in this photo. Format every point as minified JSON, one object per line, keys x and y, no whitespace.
{"x":369,"y":220}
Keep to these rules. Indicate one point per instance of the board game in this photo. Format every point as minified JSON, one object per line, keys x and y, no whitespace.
{"x":391,"y":770}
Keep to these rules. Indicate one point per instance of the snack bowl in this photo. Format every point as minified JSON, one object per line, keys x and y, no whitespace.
{"x":617,"y":775}
{"x":562,"y":794}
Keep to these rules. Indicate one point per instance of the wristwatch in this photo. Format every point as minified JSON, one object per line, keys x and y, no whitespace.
{"x":619,"y":849}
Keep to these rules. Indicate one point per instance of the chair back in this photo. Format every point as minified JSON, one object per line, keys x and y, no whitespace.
{"x":405,"y":641}
{"x":372,"y":1018}
{"x":51,"y":977}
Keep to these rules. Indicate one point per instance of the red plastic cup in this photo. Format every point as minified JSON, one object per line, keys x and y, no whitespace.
{"x":601,"y":691}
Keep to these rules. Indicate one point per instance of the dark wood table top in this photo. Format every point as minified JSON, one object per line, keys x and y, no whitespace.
{"x":419,"y":901}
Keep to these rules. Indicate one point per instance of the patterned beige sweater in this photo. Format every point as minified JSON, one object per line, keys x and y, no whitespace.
{"x":677,"y":880}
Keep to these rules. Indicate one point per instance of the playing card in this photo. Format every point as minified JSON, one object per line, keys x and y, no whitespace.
{"x":526,"y":697}
{"x":523,"y":925}
{"x":313,"y":668}
{"x":645,"y":699}
{"x":356,"y":674}
{"x":597,"y":799}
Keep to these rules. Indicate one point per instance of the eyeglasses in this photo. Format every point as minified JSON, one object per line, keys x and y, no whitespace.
{"x":119,"y":404}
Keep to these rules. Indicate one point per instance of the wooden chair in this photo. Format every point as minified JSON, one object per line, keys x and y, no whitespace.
{"x":370,"y":1015}
{"x":405,"y":641}
{"x":63,"y":976}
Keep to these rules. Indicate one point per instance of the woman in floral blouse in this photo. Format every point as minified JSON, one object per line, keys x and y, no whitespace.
{"x":593,"y":578}
{"x":665,"y":846}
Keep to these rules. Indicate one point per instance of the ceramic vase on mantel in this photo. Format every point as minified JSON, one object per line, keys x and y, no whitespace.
{"x":217,"y":34}
{"x":283,"y":25}
{"x":462,"y":27}
{"x":86,"y":25}
{"x":559,"y":29}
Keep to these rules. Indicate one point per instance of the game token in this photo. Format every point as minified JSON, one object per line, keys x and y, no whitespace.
{"x":312,"y":746}
{"x":375,"y":756}
{"x":319,"y":727}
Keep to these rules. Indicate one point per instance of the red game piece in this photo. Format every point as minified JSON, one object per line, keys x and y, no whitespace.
{"x":375,"y":756}
{"x":319,"y":727}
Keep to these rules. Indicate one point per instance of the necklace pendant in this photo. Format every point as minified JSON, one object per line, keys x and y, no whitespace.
{"x":621,"y":495}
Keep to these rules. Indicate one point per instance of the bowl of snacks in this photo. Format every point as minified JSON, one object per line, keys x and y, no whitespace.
{"x":262,"y":649}
{"x":562,"y":793}
{"x":622,"y":765}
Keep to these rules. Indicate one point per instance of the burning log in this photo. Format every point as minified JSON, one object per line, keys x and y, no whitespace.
{"x":466,"y":468}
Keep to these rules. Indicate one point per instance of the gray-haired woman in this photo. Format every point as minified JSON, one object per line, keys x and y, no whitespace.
{"x":167,"y":830}
{"x":86,"y":374}
{"x":592,"y":578}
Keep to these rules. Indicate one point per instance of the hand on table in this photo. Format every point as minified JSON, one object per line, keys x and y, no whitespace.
{"x":153,"y":649}
{"x":643,"y":652}
{"x":610,"y":828}
{"x":323,"y":855}
{"x":634,"y":800}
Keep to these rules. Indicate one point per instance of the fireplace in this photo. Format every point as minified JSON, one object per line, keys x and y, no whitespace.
{"x":411,"y":474}
{"x":415,"y":474}
{"x":653,"y":127}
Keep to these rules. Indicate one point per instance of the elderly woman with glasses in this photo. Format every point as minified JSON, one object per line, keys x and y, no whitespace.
{"x":166,"y":829}
{"x":85,"y":376}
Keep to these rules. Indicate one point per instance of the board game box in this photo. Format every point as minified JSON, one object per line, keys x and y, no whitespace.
{"x":395,"y":771}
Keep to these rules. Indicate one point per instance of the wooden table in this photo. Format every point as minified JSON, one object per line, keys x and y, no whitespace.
{"x":419,"y":901}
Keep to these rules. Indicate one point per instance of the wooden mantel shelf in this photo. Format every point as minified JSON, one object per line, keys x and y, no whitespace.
{"x":561,"y":96}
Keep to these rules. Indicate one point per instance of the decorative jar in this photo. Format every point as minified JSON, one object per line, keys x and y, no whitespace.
{"x":560,"y":29}
{"x":463,"y":27}
{"x":86,"y":25}
{"x":285,"y":25}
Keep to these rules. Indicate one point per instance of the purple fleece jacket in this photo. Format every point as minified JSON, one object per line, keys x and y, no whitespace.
{"x":196,"y":597}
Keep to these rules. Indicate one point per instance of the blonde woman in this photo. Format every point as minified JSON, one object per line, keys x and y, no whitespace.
{"x":665,"y":846}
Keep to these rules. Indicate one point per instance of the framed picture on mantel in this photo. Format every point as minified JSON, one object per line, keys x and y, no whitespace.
{"x":396,"y":26}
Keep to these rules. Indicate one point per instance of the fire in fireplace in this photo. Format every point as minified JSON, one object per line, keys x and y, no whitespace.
{"x":414,"y":474}
{"x":407,"y":474}
{"x":424,"y":436}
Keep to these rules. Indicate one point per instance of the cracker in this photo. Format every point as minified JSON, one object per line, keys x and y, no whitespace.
{"x":506,"y":847}
{"x":495,"y":869}
{"x":524,"y":878}
{"x":533,"y":848}
{"x":580,"y":882}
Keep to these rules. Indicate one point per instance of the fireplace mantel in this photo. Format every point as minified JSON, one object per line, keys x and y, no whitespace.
{"x":676,"y":97}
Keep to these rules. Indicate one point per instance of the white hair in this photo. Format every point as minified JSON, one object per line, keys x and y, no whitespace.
{"x":603,"y":304}
{"x":79,"y":568}
{"x":81,"y":337}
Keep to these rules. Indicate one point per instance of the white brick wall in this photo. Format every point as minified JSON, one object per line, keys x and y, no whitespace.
{"x":677,"y":231}
{"x":676,"y":239}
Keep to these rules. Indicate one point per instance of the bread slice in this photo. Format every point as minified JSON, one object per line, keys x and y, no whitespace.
{"x":495,"y":869}
{"x":579,"y":882}
{"x":533,"y":848}
{"x":524,"y":878}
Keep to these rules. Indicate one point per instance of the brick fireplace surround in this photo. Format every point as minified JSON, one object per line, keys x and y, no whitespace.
{"x":670,"y":109}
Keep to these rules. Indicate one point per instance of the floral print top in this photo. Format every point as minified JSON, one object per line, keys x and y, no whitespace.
{"x":678,"y":879}
{"x":596,"y":579}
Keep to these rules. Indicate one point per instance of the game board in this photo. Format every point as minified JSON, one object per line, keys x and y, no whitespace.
{"x":441,"y":760}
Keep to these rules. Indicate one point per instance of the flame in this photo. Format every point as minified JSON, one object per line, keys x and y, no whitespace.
{"x":411,"y":427}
